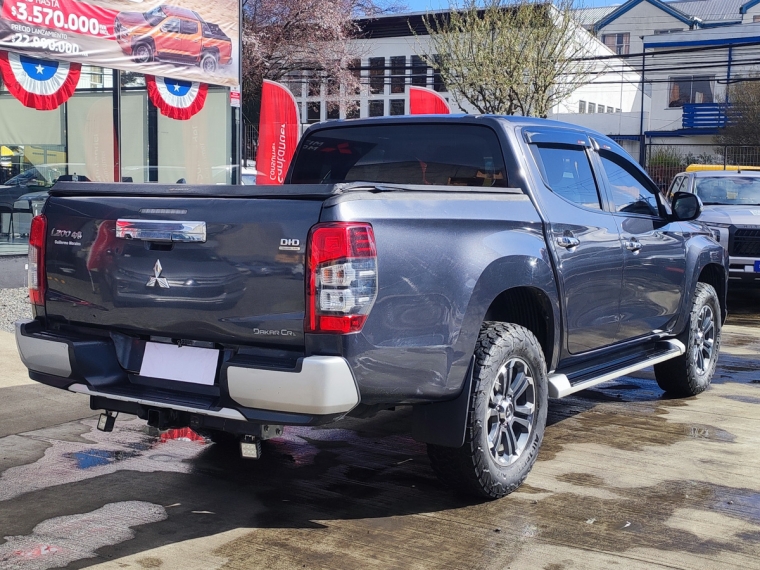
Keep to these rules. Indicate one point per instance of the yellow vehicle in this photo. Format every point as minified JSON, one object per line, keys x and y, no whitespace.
{"x":702,"y":167}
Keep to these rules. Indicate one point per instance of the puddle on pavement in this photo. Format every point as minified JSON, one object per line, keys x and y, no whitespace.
{"x":743,"y":399}
{"x":90,"y":458}
{"x":128,"y":447}
{"x":59,"y":541}
{"x":639,"y":519}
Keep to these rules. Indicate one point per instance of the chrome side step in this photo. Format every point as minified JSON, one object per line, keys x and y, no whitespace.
{"x":560,"y":386}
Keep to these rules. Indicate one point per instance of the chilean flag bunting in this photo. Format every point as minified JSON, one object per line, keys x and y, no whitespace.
{"x":40,"y":84}
{"x":175,"y":98}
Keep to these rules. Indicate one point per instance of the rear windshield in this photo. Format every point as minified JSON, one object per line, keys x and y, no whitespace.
{"x":448,"y":155}
{"x":213,"y":31}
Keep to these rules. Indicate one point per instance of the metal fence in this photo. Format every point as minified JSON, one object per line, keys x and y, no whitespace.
{"x":664,"y":161}
{"x":250,"y":142}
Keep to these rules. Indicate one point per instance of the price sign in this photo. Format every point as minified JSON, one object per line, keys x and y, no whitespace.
{"x":62,"y":15}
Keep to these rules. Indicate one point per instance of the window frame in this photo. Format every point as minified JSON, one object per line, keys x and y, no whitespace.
{"x":622,"y":44}
{"x":185,"y":23}
{"x":639,"y":174}
{"x":674,"y":79}
{"x":587,"y":151}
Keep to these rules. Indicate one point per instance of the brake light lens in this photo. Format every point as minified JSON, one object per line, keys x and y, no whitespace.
{"x":36,"y":275}
{"x":341,"y":284}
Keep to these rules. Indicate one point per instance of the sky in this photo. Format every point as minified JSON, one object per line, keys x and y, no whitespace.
{"x":422,"y":5}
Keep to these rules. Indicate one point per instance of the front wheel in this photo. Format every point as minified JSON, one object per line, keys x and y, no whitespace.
{"x":506,"y":418}
{"x":142,"y":53}
{"x":692,"y":372}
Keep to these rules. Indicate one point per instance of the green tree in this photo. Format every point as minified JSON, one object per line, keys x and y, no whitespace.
{"x":742,"y":114}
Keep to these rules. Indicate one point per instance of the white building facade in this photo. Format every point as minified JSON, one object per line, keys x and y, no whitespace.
{"x":390,"y":62}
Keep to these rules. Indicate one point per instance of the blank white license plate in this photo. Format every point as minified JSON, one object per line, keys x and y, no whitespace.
{"x":180,"y":363}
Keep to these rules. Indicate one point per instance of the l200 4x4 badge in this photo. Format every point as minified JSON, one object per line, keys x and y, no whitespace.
{"x":157,"y":279}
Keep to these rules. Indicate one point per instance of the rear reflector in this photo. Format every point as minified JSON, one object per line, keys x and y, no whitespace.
{"x":341,"y":284}
{"x":37,"y":260}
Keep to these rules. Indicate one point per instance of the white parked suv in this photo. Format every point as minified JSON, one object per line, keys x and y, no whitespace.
{"x":731,"y":202}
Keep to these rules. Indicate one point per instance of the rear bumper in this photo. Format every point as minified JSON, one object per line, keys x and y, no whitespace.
{"x":318,"y":390}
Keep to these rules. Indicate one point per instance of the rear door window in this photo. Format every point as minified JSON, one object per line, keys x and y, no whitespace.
{"x":630,"y":190}
{"x":188,"y":27}
{"x":448,"y":155}
{"x":567,"y":172}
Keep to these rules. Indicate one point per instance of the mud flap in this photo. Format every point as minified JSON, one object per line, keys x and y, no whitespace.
{"x":444,"y":423}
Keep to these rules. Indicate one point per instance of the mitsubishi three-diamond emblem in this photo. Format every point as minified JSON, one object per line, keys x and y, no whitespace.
{"x":157,"y":279}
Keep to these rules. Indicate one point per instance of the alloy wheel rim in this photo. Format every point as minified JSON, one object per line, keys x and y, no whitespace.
{"x":704,"y":339}
{"x":511,"y":410}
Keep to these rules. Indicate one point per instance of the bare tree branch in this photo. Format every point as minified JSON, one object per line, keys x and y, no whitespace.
{"x":509,"y":56}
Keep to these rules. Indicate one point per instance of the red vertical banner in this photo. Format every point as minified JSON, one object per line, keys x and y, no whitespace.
{"x":423,"y":101}
{"x":278,"y":133}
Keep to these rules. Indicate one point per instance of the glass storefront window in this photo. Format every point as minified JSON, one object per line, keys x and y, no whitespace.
{"x":77,"y":142}
{"x":197,"y":151}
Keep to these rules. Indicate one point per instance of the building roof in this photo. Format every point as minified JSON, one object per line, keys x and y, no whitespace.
{"x":590,"y":16}
{"x":694,"y":13}
{"x":711,"y":10}
{"x":667,"y":7}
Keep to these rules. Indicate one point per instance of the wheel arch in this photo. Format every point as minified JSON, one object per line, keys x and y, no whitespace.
{"x":715,"y":275}
{"x":529,"y":307}
{"x":706,"y":262}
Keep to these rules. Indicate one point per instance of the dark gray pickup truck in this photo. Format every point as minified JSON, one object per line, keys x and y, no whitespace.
{"x":469,"y":267}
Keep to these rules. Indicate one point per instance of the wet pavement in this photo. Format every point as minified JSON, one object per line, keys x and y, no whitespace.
{"x":625,"y":479}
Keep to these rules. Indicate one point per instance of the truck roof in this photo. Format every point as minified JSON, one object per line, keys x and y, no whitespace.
{"x":514,"y":120}
{"x":179,"y":12}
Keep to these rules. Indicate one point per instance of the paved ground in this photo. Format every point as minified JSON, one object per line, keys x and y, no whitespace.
{"x":12,"y":272}
{"x":625,"y":479}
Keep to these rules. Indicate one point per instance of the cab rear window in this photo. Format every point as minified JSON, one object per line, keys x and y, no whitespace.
{"x":448,"y":155}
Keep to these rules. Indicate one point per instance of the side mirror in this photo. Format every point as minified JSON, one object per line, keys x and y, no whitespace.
{"x":686,"y":206}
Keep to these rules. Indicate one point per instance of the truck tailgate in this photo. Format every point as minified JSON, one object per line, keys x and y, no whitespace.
{"x":244,"y":284}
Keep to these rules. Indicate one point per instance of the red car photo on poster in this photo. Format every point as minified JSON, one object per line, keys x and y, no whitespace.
{"x":174,"y":35}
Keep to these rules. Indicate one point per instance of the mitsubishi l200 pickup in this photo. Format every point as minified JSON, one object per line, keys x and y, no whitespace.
{"x":471,"y":267}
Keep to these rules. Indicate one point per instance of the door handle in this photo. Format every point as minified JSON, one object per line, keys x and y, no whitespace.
{"x":568,"y":242}
{"x":161,"y":230}
{"x":632,"y":245}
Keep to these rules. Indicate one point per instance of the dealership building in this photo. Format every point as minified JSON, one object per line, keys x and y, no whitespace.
{"x":159,"y":114}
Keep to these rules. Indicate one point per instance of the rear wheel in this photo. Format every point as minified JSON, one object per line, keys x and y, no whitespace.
{"x":506,"y":418}
{"x":209,"y":62}
{"x":691,"y":373}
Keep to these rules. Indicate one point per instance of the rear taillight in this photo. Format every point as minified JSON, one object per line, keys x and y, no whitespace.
{"x":341,"y":284}
{"x":37,"y":260}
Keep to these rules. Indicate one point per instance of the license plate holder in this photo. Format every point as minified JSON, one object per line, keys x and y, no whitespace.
{"x":180,"y":363}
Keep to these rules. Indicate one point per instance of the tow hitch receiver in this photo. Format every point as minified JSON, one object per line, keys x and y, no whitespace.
{"x":250,"y":447}
{"x":107,"y":420}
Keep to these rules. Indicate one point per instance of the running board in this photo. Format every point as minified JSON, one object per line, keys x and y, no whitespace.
{"x":560,"y":386}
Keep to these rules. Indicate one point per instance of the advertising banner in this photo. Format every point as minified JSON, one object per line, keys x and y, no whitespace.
{"x":424,"y":101}
{"x":278,"y":133}
{"x":190,"y":40}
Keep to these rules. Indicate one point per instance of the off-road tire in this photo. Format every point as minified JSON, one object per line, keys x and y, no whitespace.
{"x":209,"y":62}
{"x":472,"y":469}
{"x":143,"y":52}
{"x":682,"y":376}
